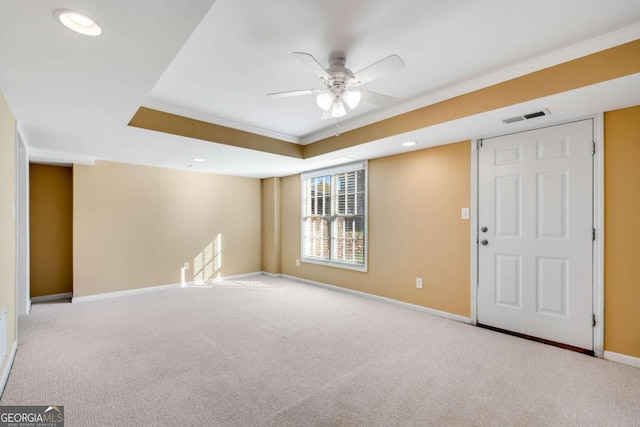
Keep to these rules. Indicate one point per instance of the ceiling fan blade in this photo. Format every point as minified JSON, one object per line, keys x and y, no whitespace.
{"x":293,"y":93}
{"x":384,"y":66}
{"x":312,"y":64}
{"x":378,"y":98}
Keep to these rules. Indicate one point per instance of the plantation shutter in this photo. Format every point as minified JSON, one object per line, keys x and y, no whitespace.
{"x":334,"y":214}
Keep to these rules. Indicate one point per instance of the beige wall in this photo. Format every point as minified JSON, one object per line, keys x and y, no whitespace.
{"x":135,"y":226}
{"x":50,"y":229}
{"x":7,"y":223}
{"x":415,"y":230}
{"x":622,"y":231}
{"x":271,"y":247}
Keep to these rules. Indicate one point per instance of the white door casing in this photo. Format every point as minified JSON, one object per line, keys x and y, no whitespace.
{"x":535,"y":197}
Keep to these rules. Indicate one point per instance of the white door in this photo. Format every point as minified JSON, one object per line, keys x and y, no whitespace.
{"x":535,"y":238}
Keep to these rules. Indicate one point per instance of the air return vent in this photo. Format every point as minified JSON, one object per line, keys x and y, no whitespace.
{"x":527,"y":116}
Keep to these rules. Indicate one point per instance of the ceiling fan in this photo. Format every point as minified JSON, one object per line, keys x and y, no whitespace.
{"x":341,"y":84}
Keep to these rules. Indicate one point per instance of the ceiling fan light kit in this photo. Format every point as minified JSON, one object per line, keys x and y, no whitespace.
{"x":338,"y":82}
{"x":338,"y":110}
{"x":327,"y":102}
{"x":352,"y":98}
{"x":324,"y":101}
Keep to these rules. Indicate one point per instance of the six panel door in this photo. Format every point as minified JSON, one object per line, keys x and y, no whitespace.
{"x":535,"y":257}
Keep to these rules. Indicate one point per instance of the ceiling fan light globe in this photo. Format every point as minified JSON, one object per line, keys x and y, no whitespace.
{"x":338,"y":110}
{"x":352,"y":98}
{"x":324,"y":101}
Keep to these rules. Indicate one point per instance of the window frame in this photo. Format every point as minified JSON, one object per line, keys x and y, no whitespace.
{"x":331,"y":171}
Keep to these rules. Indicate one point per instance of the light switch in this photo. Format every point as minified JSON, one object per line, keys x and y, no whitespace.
{"x":465,"y":213}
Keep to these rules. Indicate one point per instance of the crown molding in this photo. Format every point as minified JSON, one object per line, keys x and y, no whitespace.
{"x":172,"y":109}
{"x":59,"y":158}
{"x":597,"y":44}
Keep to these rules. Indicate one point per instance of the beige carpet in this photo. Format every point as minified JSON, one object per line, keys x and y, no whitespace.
{"x":275,"y":352}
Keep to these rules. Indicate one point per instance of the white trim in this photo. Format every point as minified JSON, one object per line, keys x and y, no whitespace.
{"x":105,"y":295}
{"x":606,"y":41}
{"x":598,"y":246}
{"x":7,"y":368}
{"x":330,"y":171}
{"x":432,"y":311}
{"x":622,"y":358}
{"x":598,"y":221}
{"x":54,"y":297}
{"x":473,"y":225}
{"x":266,"y":273}
{"x":16,"y":244}
{"x":59,"y":158}
{"x":403,"y":304}
{"x":171,"y":109}
{"x":22,"y":227}
{"x":158,"y":288}
{"x":240,"y":276}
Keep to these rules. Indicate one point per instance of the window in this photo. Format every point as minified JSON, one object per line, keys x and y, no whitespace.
{"x":334,"y":216}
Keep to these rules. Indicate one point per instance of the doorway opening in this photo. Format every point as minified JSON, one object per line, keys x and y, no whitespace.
{"x":50,"y":232}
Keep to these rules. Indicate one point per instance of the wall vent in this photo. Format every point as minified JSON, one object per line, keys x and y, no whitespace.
{"x":528,"y":116}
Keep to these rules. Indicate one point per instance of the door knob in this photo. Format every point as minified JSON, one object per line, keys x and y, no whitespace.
{"x":484,"y":242}
{"x":484,"y":229}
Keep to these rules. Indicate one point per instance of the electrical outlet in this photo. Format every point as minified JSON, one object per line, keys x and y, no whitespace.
{"x":419,"y":282}
{"x":464,"y":214}
{"x":297,"y":263}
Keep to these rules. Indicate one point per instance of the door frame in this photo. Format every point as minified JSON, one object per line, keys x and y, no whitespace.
{"x":598,"y":223}
{"x":22,"y":227}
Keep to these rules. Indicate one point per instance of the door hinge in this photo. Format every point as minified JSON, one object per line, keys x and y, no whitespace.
{"x":593,"y":234}
{"x":594,"y":320}
{"x":479,"y":144}
{"x":594,"y":148}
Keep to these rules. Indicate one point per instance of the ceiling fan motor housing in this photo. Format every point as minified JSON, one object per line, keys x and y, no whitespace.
{"x":341,"y":76}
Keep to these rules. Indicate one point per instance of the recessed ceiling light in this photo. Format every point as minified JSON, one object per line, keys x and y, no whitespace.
{"x":196,"y":159}
{"x":78,"y":22}
{"x":409,"y":143}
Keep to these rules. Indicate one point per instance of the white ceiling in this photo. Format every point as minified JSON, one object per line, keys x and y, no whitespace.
{"x":73,"y":96}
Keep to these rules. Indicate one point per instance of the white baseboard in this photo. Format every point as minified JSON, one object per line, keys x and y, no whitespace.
{"x":5,"y":372}
{"x":53,"y":297}
{"x":239,"y":276}
{"x":274,"y":275}
{"x":96,"y":297}
{"x":159,"y":288}
{"x":622,"y":358}
{"x":439,"y":313}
